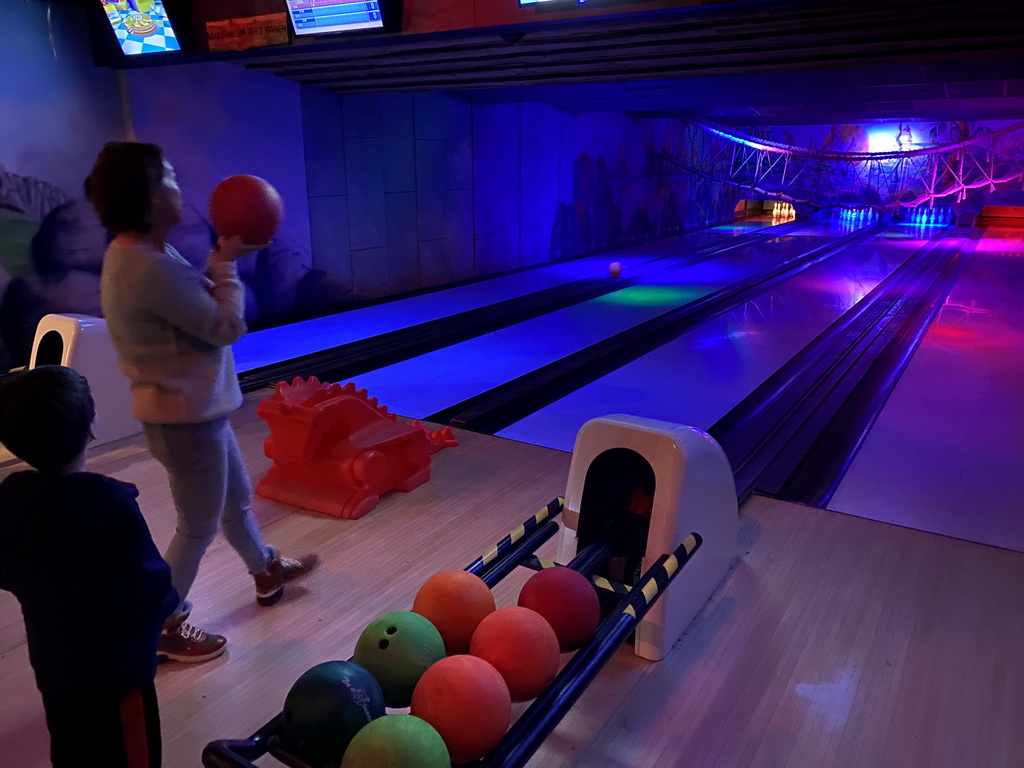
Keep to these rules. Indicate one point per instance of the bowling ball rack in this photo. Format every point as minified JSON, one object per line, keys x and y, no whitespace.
{"x":527,"y":734}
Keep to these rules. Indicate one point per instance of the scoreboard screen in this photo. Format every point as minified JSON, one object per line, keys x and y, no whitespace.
{"x":316,"y":17}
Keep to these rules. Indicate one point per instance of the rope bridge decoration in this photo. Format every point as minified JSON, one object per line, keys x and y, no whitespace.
{"x":825,"y":178}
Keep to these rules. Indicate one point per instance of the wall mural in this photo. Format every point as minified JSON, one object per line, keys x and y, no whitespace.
{"x":51,"y":255}
{"x":613,"y":205}
{"x":852,"y":166}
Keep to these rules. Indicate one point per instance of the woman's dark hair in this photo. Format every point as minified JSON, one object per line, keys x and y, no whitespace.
{"x":123,"y":185}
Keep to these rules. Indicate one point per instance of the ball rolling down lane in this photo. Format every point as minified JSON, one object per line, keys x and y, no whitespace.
{"x":615,"y":269}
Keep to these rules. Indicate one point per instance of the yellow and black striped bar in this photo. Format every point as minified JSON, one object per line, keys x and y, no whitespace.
{"x":605,"y":585}
{"x":515,"y":540}
{"x":659,"y":575}
{"x":536,"y":723}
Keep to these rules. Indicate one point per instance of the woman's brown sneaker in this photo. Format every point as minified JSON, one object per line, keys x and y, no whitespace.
{"x":270,"y":583}
{"x":184,"y":642}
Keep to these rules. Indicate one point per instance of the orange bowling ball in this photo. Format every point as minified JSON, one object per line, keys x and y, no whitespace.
{"x":466,"y":700}
{"x":455,"y":602}
{"x":567,"y":600}
{"x":522,"y":646}
{"x":247,"y":207}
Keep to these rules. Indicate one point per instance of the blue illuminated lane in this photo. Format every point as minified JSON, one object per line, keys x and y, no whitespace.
{"x":697,"y":378}
{"x":423,"y":385}
{"x":275,"y":345}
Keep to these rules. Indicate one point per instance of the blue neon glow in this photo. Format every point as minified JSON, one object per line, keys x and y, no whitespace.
{"x":891,"y":138}
{"x":925,"y":216}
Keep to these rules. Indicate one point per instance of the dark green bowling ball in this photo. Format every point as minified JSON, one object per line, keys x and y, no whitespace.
{"x":326,"y":708}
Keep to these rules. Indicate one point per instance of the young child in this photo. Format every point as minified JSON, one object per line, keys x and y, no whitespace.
{"x":94,"y":591}
{"x":172,"y":327}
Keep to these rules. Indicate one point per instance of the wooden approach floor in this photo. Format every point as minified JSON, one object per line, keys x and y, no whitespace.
{"x":836,"y":641}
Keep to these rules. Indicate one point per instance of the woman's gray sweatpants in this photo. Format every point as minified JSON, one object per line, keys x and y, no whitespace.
{"x":211,"y":489}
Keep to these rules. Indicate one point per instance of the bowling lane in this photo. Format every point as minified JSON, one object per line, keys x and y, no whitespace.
{"x":431,"y":382}
{"x":946,"y":454}
{"x":697,"y":378}
{"x":274,"y":345}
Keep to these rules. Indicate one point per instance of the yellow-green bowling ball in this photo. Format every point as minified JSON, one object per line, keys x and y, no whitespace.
{"x":397,"y":649}
{"x":397,"y":741}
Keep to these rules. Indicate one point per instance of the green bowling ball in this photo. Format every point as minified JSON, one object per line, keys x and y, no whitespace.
{"x":326,"y":707}
{"x":396,"y":649}
{"x":397,"y":741}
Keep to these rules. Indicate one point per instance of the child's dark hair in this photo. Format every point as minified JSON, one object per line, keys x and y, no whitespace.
{"x":123,"y":184}
{"x":45,"y":416}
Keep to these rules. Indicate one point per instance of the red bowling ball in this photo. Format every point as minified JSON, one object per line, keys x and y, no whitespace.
{"x":455,"y":602}
{"x":522,"y":646}
{"x":466,"y":700}
{"x":247,"y":207}
{"x":568,"y":601}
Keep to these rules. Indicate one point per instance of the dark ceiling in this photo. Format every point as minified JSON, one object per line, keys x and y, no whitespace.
{"x":986,"y":90}
{"x":767,"y":62}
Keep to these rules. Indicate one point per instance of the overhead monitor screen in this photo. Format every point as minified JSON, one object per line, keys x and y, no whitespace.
{"x":141,"y":26}
{"x":315,"y":17}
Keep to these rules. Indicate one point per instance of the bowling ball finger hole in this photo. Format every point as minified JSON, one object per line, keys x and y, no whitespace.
{"x":391,"y":630}
{"x":383,"y":644}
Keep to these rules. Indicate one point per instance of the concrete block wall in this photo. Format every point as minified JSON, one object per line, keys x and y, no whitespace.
{"x":410,"y":191}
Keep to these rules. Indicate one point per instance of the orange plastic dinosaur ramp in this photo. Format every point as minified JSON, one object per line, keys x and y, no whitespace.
{"x":337,"y":451}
